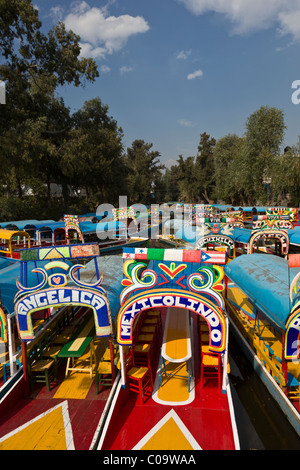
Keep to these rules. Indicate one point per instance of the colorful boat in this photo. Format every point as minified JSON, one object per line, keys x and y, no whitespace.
{"x":63,"y":311}
{"x":263,"y":307}
{"x":173,"y":391}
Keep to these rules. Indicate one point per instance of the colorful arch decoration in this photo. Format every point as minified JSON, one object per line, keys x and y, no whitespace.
{"x":54,"y":291}
{"x":187,"y":279}
{"x":280,"y":235}
{"x":220,"y":239}
{"x":72,"y":223}
{"x":172,"y":298}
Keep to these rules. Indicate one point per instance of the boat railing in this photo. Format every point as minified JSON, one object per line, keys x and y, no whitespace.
{"x":264,"y":352}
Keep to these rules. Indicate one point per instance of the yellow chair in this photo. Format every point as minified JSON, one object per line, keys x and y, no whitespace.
{"x":139,"y":379}
{"x":142,"y":354}
{"x":211,"y":367}
{"x":103,"y":375}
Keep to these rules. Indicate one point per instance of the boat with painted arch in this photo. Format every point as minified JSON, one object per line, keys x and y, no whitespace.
{"x":173,"y":391}
{"x":263,"y":306}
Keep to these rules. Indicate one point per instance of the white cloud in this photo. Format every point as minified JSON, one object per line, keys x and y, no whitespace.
{"x":196,"y":74}
{"x":102,"y":34}
{"x":105,"y":69}
{"x":183,"y":54}
{"x":290,"y":24}
{"x":185,"y":123}
{"x":87,"y":50}
{"x":56,"y":13}
{"x":126,"y":69}
{"x":250,"y":15}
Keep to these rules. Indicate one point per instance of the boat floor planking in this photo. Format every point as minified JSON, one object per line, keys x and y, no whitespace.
{"x":206,"y":422}
{"x":51,"y":423}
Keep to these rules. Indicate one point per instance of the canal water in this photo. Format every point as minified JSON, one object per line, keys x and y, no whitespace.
{"x":261,"y":423}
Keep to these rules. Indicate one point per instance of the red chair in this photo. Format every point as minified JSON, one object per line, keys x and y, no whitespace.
{"x":211,"y":367}
{"x":155,"y":314}
{"x":203,"y":332}
{"x":142,"y":355}
{"x":139,"y":379}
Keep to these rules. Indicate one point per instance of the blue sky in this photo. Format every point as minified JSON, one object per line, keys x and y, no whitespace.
{"x":172,"y":69}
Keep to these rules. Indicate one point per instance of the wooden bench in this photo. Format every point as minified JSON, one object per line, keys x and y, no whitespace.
{"x":39,"y":369}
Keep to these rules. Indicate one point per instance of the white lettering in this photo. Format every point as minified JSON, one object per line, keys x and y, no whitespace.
{"x":85,"y":297}
{"x":52,"y":297}
{"x":153,"y":299}
{"x":295,"y":95}
{"x":296,"y":324}
{"x":75,"y":296}
{"x":177,"y":302}
{"x":144,"y":302}
{"x":213,"y":319}
{"x":30,"y":302}
{"x":168,"y":301}
{"x":192,"y":304}
{"x":125,"y":330}
{"x":216,"y":336}
{"x":62,"y":299}
{"x":39,"y":299}
{"x":97,"y":302}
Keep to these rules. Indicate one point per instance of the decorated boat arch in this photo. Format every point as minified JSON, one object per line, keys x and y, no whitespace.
{"x":270,"y":228}
{"x":186,"y":279}
{"x":60,"y":286}
{"x":217,"y":234}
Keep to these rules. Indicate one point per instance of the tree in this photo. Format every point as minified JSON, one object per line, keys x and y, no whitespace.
{"x":93,"y":155}
{"x":229,"y":169}
{"x":34,"y":122}
{"x":264,"y":136}
{"x":186,"y":179}
{"x":204,"y":166}
{"x":285,"y":177}
{"x":144,"y":172}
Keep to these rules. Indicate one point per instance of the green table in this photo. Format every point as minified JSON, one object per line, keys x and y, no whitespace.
{"x":78,"y":343}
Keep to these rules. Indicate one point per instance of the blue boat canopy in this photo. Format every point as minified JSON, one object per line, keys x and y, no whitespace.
{"x":265,"y":279}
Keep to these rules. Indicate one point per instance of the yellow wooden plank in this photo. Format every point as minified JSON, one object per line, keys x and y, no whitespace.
{"x":46,"y":433}
{"x":174,"y":389}
{"x":76,"y":385}
{"x":78,"y":341}
{"x":168,"y":437}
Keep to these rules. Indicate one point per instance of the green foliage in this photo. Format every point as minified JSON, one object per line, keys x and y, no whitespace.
{"x":144,"y":173}
{"x":42,"y":143}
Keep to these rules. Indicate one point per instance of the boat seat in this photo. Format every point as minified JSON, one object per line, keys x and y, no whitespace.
{"x":211,"y":367}
{"x":155,"y":314}
{"x":103,"y":375}
{"x":40,"y":372}
{"x":139,"y":379}
{"x":142,"y":355}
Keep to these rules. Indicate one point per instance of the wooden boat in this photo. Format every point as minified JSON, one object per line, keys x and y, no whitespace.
{"x":11,"y":241}
{"x":172,"y":375}
{"x":111,"y":236}
{"x":264,"y":313}
{"x":64,"y":329}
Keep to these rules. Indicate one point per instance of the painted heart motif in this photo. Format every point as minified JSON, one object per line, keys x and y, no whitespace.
{"x":56,"y":280}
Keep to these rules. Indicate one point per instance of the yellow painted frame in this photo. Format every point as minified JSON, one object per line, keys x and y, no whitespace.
{"x":7,"y":235}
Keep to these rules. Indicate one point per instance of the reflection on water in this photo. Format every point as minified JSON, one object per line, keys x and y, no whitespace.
{"x":261,"y":423}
